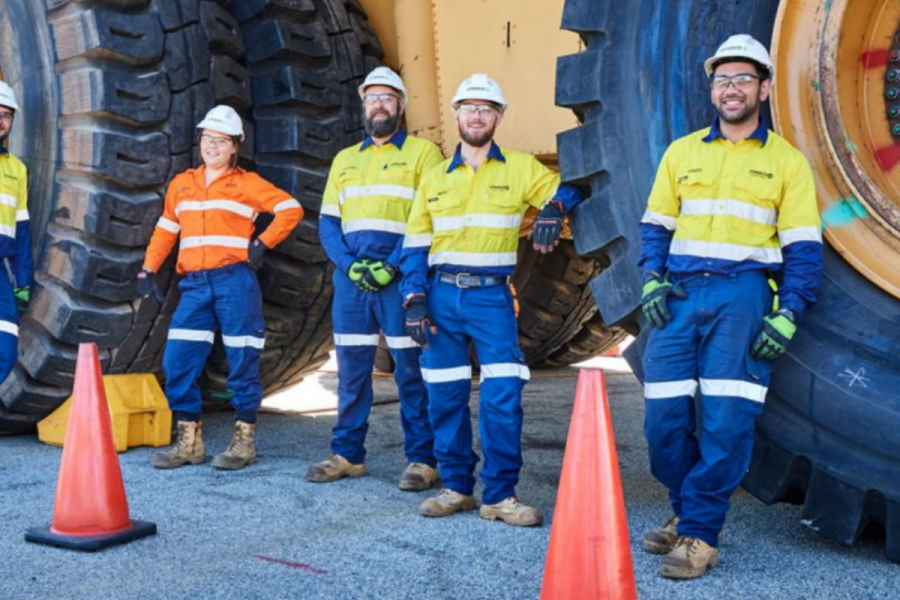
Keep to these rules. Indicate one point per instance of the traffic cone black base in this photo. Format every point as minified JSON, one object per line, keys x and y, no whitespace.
{"x":89,"y":543}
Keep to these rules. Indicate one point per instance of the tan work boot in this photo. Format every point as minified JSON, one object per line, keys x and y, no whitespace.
{"x":661,"y":541}
{"x":335,"y":468}
{"x":187,"y":449}
{"x":512,"y":512}
{"x":241,"y":452}
{"x":446,"y":503}
{"x":690,"y":558}
{"x":417,"y":477}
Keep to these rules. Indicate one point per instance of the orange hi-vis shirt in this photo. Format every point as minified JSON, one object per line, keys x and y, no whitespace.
{"x":216,"y":223}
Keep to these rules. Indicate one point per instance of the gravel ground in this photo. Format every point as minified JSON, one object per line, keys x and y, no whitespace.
{"x":267,"y":533}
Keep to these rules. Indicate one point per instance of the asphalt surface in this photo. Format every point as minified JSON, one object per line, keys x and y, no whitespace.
{"x":267,"y":533}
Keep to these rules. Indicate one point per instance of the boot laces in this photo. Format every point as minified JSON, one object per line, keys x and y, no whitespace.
{"x":182,"y":444}
{"x":240,"y":442}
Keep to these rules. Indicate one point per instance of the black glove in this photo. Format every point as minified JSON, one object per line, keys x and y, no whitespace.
{"x":255,"y":254}
{"x":147,"y":286}
{"x":547,"y":227}
{"x":654,"y":300}
{"x":418,"y":320}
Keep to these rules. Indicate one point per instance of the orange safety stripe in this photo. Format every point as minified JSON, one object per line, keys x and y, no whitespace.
{"x":216,"y":223}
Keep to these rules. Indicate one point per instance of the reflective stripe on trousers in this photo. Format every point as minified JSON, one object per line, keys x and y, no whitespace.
{"x":226,"y":299}
{"x":706,"y":348}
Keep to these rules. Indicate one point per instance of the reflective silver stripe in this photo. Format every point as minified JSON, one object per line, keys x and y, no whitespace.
{"x":447,"y":375}
{"x":733,"y":208}
{"x":8,"y":230}
{"x":800,"y":234}
{"x":670,"y":389}
{"x":168,"y":225}
{"x":373,"y":225}
{"x":7,"y":200}
{"x":733,"y":252}
{"x":243,"y":341}
{"x":227,"y":205}
{"x":476,"y":220}
{"x":505,"y":370}
{"x":330,"y":210}
{"x":361,"y":191}
{"x":286,"y":205}
{"x":402,"y":342}
{"x":355,"y":339}
{"x":734,"y":388}
{"x":420,"y":240}
{"x":226,"y":241}
{"x":22,"y":215}
{"x":192,"y":335}
{"x":9,"y":327}
{"x":473,"y":259}
{"x":654,"y":218}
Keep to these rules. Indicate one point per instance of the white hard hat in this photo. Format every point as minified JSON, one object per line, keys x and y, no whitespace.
{"x":479,"y":86}
{"x":8,"y":96}
{"x":223,"y":119}
{"x":741,"y":46}
{"x":383,"y":76}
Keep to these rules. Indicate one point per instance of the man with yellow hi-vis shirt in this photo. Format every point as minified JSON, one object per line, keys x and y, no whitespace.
{"x":458,"y":256}
{"x":367,"y":200}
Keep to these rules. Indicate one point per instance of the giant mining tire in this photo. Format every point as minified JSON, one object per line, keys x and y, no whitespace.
{"x":828,"y":436}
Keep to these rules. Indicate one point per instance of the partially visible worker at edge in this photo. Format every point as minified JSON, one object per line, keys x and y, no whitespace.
{"x":364,"y":211}
{"x":458,"y":258}
{"x":15,"y":238}
{"x":213,"y":209}
{"x":733,"y":205}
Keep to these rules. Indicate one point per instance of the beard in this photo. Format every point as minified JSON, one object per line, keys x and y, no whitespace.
{"x":478,"y":139}
{"x":748,"y":112}
{"x":383,"y":128}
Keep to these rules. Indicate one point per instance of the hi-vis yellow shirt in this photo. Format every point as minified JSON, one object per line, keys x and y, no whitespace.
{"x":369,"y":196}
{"x":722,"y":207}
{"x":15,"y":239}
{"x":467,"y":221}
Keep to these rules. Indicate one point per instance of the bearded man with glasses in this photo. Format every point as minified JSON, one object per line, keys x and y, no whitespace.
{"x":732,"y":209}
{"x":363,"y":220}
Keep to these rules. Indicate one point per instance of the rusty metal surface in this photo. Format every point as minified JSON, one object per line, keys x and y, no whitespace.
{"x":832,"y":62}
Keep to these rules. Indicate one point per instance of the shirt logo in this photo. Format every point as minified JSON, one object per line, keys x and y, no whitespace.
{"x":398,"y":164}
{"x":761,"y":174}
{"x":8,"y":176}
{"x":499,"y":188}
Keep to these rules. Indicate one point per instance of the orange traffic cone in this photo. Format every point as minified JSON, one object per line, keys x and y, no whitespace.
{"x":91,"y":511}
{"x":589,"y":557}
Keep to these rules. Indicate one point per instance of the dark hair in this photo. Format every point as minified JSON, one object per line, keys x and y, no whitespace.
{"x":761,"y":71}
{"x":235,"y":141}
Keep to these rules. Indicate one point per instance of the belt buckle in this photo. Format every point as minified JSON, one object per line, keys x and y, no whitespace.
{"x":459,"y":281}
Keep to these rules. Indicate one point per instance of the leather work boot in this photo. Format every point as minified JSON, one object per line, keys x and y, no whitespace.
{"x":335,"y":468}
{"x":661,"y":541}
{"x":417,"y":477}
{"x":512,"y":512}
{"x":241,"y":452}
{"x":689,"y":559}
{"x":446,"y":503}
{"x":187,"y":449}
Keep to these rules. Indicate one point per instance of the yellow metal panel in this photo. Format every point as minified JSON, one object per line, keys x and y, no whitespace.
{"x":138,"y":408}
{"x":517,"y":44}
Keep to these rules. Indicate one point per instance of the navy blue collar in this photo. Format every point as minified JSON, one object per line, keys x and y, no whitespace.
{"x":398,"y":139}
{"x":495,"y":152}
{"x":3,"y":150}
{"x":761,"y":133}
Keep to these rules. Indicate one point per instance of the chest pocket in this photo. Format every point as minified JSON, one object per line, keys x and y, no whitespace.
{"x":762,"y":189}
{"x":444,"y":203}
{"x":693,"y":186}
{"x":503,"y":198}
{"x":394,"y":175}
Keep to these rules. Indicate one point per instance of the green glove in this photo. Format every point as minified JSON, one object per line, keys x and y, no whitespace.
{"x":372,"y":275}
{"x":654,"y":299}
{"x":777,"y":331}
{"x":23,"y":297}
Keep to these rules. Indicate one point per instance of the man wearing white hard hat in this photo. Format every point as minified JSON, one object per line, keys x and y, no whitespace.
{"x":15,"y":238}
{"x":364,"y":210}
{"x":733,"y":207}
{"x":458,"y":259}
{"x":212,"y":210}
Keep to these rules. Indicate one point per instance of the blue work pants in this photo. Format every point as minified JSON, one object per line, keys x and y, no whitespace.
{"x":227,"y":299}
{"x":358,"y":316}
{"x":9,"y":328}
{"x":706,"y":345}
{"x":485,"y":316}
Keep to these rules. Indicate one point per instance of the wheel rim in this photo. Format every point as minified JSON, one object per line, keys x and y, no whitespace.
{"x":837,"y":98}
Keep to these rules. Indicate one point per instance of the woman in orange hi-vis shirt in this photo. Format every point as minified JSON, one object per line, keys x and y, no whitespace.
{"x":213,"y":208}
